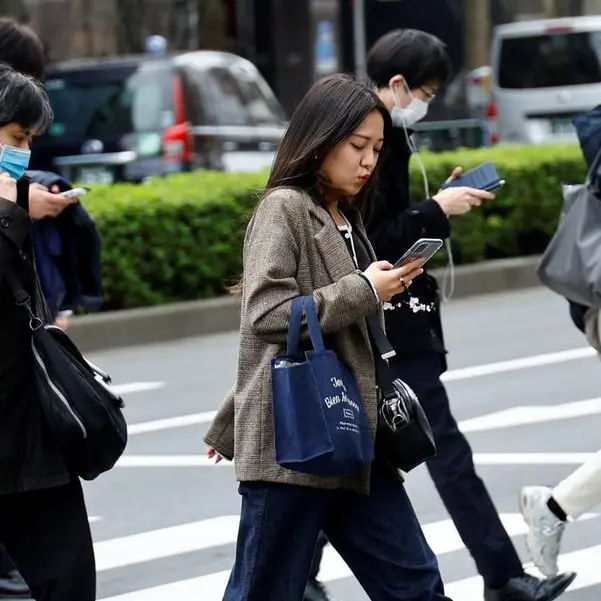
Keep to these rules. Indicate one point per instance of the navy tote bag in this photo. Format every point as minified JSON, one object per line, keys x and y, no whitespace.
{"x":320,"y":423}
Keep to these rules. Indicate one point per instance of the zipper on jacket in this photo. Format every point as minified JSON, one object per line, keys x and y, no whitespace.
{"x":58,"y":393}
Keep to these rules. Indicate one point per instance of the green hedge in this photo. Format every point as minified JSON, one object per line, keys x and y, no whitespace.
{"x":180,"y":237}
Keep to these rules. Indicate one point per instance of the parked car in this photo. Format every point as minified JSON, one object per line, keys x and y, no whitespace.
{"x":544,"y":72}
{"x":126,"y":119}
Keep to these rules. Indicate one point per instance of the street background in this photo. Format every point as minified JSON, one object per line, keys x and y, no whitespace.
{"x":165,"y":519}
{"x":522,"y":381}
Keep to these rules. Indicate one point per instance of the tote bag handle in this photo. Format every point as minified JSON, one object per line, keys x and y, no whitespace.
{"x":306,"y":305}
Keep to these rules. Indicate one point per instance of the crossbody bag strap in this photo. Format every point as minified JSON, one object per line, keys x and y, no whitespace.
{"x":384,"y":352}
{"x":22,"y":299}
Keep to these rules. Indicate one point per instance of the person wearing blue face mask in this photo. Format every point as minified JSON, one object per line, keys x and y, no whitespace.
{"x":44,"y":524}
{"x":14,"y":160}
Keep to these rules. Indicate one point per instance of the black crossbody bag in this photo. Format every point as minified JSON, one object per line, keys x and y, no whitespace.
{"x":83,"y":413}
{"x":404,"y":437}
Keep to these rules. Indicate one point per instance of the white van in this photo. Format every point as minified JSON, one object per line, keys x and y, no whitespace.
{"x":544,"y":72}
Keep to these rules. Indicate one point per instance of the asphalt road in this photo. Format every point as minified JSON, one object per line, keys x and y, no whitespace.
{"x":165,"y":519}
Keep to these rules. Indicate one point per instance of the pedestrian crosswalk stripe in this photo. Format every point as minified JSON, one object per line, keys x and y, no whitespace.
{"x":166,"y":542}
{"x":197,"y":536}
{"x":223,"y":530}
{"x":532,"y":458}
{"x":523,"y":415}
{"x":210,"y":588}
{"x":133,"y":387}
{"x":168,"y":423}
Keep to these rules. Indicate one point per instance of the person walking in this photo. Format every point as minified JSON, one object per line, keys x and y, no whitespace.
{"x":408,"y":67}
{"x":22,"y":49}
{"x":306,"y":238}
{"x":546,"y":510}
{"x":44,"y":526}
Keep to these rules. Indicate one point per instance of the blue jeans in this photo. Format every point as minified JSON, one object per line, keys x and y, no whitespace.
{"x":378,"y":536}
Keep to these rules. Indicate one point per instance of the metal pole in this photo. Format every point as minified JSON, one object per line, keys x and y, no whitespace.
{"x":359,"y":37}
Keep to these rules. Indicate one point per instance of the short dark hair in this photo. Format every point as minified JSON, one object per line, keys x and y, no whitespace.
{"x":332,"y":109}
{"x":21,"y":48}
{"x":23,"y":100}
{"x":420,"y":57}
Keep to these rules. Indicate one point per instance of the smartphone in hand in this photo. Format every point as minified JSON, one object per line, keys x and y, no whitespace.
{"x":424,"y":249}
{"x":74,"y":193}
{"x":483,"y":177}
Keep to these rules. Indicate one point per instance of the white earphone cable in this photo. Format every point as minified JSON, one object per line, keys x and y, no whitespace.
{"x":448,"y":283}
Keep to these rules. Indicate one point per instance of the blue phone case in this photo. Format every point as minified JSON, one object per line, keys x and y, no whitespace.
{"x":484,"y":177}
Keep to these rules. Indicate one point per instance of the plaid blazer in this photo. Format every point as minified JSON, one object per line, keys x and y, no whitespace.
{"x":293,"y":247}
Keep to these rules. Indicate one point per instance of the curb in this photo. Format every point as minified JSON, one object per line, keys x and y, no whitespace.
{"x":130,"y":327}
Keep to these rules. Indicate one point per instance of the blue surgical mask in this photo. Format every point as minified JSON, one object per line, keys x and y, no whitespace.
{"x":13,"y":160}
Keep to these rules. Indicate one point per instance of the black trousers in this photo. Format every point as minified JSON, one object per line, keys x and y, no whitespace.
{"x":6,"y":565}
{"x":47,"y":535}
{"x":454,"y":475}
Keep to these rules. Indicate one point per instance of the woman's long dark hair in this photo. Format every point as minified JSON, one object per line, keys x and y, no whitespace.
{"x":330,"y":111}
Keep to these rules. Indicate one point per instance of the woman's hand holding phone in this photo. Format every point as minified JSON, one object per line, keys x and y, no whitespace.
{"x":389,"y":282}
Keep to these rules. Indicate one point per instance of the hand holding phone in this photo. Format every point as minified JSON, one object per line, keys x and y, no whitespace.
{"x":389,"y":281}
{"x":421,"y":251}
{"x":483,"y":177}
{"x":459,"y":201}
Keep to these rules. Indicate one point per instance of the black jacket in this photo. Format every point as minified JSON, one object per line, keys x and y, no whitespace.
{"x":412,"y":319}
{"x":29,"y":458}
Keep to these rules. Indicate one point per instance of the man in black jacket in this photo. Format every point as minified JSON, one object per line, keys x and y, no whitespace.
{"x":408,"y":67}
{"x":44,"y":524}
{"x":21,"y":48}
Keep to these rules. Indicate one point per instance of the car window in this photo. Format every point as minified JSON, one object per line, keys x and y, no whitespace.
{"x":261,"y":103}
{"x":236,"y":97}
{"x":551,"y":60}
{"x":109,"y":102}
{"x":223,"y":97}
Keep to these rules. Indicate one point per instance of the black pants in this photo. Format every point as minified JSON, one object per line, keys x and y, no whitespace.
{"x":455,"y":478}
{"x":47,"y":535}
{"x":322,"y":541}
{"x":6,"y":565}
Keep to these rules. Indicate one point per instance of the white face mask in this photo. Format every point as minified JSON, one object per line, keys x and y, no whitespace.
{"x":407,"y":116}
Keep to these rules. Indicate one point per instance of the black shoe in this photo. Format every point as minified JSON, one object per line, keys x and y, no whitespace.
{"x":12,"y":585}
{"x":315,"y":591}
{"x":530,"y":588}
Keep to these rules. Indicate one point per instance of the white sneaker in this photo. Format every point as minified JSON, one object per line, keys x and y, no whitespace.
{"x":545,"y":529}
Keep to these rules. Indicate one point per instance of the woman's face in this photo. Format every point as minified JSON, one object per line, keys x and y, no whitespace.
{"x":349,"y":165}
{"x":12,"y":134}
